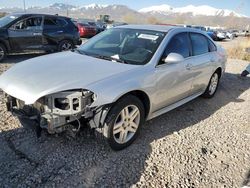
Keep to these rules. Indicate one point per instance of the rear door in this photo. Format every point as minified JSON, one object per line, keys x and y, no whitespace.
{"x":174,"y":80}
{"x":203,"y":52}
{"x":26,"y":34}
{"x":54,"y":30}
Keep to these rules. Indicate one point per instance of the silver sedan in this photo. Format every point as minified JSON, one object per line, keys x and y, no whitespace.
{"x":115,"y":81}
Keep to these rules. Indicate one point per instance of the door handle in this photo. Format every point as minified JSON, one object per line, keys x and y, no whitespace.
{"x":188,"y":66}
{"x":37,"y":34}
{"x":212,"y":60}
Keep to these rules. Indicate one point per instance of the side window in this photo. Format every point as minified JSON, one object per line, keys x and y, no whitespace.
{"x":33,"y":23}
{"x":179,"y":44}
{"x":211,"y":45}
{"x":199,"y":44}
{"x":49,"y":23}
{"x":54,"y":22}
{"x":61,"y":22}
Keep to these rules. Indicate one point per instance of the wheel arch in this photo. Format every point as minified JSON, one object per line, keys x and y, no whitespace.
{"x":144,"y":98}
{"x":219,"y":71}
{"x":5,"y":45}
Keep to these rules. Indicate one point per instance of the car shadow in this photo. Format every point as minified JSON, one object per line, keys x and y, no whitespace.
{"x":86,"y":161}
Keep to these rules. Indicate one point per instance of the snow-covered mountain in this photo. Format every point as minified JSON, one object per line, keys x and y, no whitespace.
{"x":196,"y":15}
{"x":203,"y":10}
{"x":165,"y":9}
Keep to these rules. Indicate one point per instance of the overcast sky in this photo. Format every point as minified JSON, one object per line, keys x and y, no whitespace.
{"x":240,"y":6}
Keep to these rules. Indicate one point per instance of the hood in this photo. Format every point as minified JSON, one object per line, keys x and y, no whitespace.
{"x":38,"y":77}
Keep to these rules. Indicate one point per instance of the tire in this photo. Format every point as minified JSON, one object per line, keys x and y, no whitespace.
{"x":65,"y":45}
{"x":3,"y":52}
{"x":121,"y":129}
{"x":212,"y":86}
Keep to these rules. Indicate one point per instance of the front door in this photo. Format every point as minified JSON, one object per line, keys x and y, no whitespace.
{"x":26,"y":34}
{"x":174,"y":81}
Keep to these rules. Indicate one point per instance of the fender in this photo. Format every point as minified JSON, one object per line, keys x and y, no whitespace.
{"x":6,"y":43}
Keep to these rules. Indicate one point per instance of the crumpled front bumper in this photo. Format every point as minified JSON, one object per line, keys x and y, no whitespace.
{"x":46,"y":114}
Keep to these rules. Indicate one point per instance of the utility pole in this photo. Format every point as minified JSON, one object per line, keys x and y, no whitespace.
{"x":24,"y":6}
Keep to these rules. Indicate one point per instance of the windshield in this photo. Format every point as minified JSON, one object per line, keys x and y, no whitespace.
{"x":7,"y":19}
{"x":131,"y":46}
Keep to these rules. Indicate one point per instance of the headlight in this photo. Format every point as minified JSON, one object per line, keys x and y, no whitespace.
{"x":62,"y":103}
{"x":73,"y":101}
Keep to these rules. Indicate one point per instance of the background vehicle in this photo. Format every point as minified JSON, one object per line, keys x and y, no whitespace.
{"x":221,"y":35}
{"x":243,"y":33}
{"x":116,"y":80}
{"x":86,"y":30}
{"x":212,"y":34}
{"x":234,"y":32}
{"x":98,"y":26}
{"x":29,"y":32}
{"x":199,"y":27}
{"x":229,"y":35}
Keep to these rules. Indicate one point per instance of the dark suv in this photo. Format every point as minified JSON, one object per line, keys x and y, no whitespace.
{"x":35,"y":32}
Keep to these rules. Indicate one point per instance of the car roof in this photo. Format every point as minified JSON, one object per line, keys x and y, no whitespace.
{"x":161,"y":28}
{"x":35,"y":14}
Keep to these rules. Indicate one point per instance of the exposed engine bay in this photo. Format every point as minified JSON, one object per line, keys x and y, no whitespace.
{"x":56,"y":111}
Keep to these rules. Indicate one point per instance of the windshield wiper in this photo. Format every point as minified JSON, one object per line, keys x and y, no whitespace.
{"x":78,"y":51}
{"x":109,"y":58}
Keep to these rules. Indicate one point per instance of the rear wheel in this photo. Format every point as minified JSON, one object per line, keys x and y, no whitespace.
{"x":2,"y":52}
{"x":124,"y":121}
{"x":65,"y":45}
{"x":212,"y":86}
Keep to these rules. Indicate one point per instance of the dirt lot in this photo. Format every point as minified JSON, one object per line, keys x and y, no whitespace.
{"x":204,"y":143}
{"x":227,"y":44}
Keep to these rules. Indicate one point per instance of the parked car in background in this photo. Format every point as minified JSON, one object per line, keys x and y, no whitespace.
{"x":29,"y":32}
{"x":221,"y":35}
{"x":86,"y":30}
{"x":244,"y":33}
{"x":199,"y":27}
{"x":115,"y":81}
{"x":99,"y":27}
{"x":234,"y":32}
{"x":229,"y":35}
{"x":212,"y":34}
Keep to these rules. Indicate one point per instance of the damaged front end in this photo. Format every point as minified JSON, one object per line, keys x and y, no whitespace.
{"x":55,"y":112}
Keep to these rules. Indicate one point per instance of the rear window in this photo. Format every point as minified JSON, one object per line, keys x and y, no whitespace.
{"x":212,"y":46}
{"x":199,"y":44}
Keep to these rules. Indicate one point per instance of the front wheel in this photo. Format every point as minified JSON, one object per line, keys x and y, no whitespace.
{"x":212,"y":86}
{"x":124,"y":121}
{"x":2,"y":52}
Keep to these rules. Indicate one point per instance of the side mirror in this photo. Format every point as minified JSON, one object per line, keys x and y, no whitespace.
{"x":173,"y":58}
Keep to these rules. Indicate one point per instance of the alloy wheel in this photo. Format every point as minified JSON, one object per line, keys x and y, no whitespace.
{"x":126,"y":124}
{"x":66,"y":46}
{"x":1,"y":53}
{"x":213,"y":84}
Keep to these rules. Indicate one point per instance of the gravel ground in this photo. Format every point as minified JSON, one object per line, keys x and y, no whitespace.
{"x":204,"y":143}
